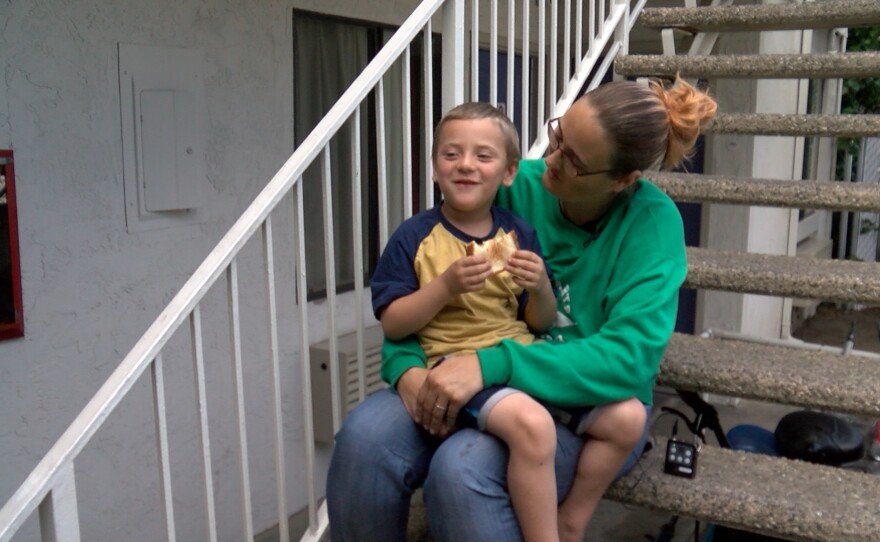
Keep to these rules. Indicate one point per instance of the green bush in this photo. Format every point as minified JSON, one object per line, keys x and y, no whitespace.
{"x":860,"y":96}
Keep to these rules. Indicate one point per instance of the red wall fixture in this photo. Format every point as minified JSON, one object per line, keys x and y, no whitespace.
{"x":11,"y":316}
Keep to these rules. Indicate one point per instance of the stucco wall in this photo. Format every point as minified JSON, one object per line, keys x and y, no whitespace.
{"x":90,"y":289}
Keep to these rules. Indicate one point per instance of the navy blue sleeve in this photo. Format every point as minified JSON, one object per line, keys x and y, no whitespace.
{"x":395,"y":274}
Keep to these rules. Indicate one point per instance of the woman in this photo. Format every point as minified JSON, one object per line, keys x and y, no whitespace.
{"x":615,"y":244}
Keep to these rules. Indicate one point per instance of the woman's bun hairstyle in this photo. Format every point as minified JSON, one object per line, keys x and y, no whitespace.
{"x":650,"y":126}
{"x":688,"y":110}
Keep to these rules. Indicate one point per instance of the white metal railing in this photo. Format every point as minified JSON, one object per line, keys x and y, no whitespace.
{"x":50,"y":488}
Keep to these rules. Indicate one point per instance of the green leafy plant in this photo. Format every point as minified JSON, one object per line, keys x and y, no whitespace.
{"x":860,"y":96}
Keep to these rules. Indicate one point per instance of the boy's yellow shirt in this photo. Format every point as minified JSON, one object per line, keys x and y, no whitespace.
{"x":474,"y":319}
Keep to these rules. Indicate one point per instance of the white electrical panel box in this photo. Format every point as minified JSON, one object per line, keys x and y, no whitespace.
{"x":162,"y":107}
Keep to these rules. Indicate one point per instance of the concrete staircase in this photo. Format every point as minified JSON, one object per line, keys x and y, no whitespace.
{"x":773,"y":496}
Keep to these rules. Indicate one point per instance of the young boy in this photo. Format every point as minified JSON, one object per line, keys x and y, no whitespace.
{"x":425,"y":283}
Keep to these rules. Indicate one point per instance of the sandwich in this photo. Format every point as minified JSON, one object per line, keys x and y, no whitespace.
{"x":497,"y":250}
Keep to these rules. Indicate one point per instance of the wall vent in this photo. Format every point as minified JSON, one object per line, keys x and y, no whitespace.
{"x":319,"y":356}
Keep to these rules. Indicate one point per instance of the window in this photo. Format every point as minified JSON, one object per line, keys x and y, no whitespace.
{"x":328,"y":54}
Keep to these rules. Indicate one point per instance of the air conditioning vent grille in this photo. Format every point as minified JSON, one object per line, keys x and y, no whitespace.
{"x":319,"y":355}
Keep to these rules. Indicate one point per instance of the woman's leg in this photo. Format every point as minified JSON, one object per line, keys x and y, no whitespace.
{"x":381,"y":456}
{"x":466,"y":491}
{"x":530,"y":434}
{"x":618,"y":429}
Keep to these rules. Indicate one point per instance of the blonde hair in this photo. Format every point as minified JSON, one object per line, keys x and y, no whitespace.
{"x":481,"y":110}
{"x":650,"y":127}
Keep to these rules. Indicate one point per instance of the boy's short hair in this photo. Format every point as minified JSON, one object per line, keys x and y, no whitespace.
{"x":482,"y":110}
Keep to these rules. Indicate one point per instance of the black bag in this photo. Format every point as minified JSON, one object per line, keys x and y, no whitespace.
{"x":818,"y":437}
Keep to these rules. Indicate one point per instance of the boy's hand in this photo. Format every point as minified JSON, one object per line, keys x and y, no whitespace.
{"x":467,"y":274}
{"x":528,"y":271}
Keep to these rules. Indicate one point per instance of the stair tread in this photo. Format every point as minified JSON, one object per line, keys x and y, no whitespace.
{"x":759,"y":66}
{"x":779,"y":374}
{"x":772,"y":495}
{"x":793,"y":16}
{"x":784,"y":276}
{"x":794,"y":125}
{"x":832,"y":195}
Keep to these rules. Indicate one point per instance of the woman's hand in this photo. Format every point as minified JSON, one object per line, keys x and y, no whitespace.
{"x":447,"y":388}
{"x":408,"y":387}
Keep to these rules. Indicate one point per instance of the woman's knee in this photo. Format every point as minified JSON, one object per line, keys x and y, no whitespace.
{"x":468,"y":461}
{"x":466,"y":490}
{"x":361,"y":427}
{"x":379,"y":427}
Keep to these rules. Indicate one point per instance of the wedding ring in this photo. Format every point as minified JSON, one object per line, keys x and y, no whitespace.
{"x":440,"y":407}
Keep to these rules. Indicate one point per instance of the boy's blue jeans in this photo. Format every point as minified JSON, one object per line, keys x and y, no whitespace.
{"x":381,"y":456}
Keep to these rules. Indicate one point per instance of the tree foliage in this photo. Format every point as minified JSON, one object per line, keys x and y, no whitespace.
{"x":860,"y":96}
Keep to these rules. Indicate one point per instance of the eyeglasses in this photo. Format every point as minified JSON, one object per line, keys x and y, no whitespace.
{"x":554,"y":135}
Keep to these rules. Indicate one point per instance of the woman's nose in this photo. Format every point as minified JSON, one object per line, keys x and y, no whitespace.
{"x":554,"y":158}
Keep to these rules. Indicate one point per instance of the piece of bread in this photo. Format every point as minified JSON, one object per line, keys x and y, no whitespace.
{"x":497,"y":250}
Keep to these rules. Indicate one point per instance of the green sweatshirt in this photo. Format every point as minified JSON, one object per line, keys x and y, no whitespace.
{"x":617,"y":295}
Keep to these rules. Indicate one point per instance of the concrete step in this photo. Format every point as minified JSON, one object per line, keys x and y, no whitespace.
{"x":836,"y":196}
{"x":784,"y":276}
{"x":790,"y":16}
{"x":777,"y":124}
{"x":767,"y":66}
{"x":778,"y":374}
{"x":770,"y":495}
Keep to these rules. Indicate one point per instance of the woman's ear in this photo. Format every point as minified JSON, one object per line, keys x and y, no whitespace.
{"x":622,"y":183}
{"x":510,"y":174}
